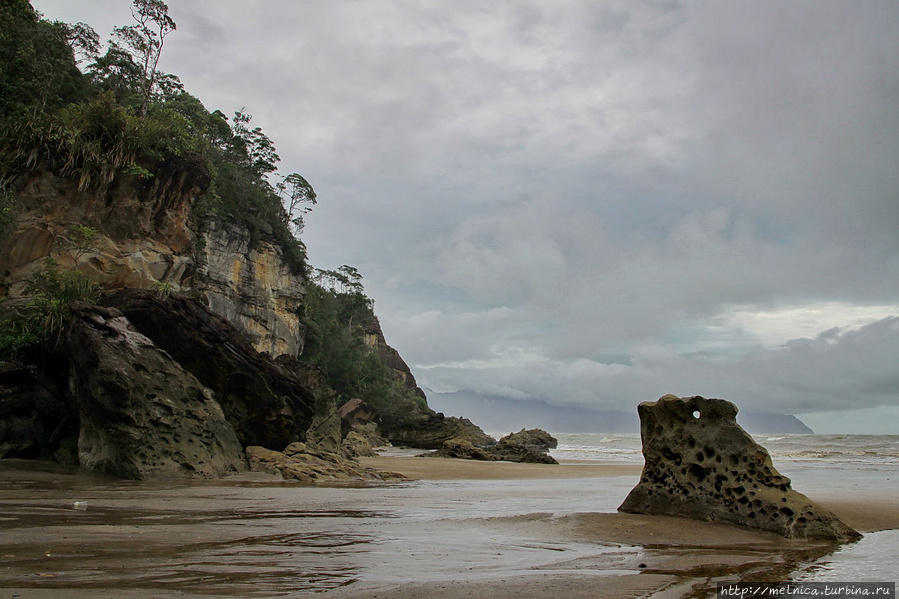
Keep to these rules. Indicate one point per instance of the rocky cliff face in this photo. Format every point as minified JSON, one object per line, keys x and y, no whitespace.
{"x":251,"y":287}
{"x":143,"y":228}
{"x":144,"y":237}
{"x":145,"y":375}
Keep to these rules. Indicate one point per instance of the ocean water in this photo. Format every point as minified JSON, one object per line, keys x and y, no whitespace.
{"x":829,"y":451}
{"x":818,"y":465}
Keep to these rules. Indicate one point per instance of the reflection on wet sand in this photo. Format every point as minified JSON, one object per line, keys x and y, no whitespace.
{"x":259,"y":537}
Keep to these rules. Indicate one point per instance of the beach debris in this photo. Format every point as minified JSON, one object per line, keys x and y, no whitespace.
{"x":701,"y":464}
{"x":529,"y":446}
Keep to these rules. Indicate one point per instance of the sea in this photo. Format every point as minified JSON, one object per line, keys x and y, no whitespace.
{"x":823,"y":465}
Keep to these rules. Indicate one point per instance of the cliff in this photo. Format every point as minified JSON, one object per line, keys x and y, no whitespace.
{"x":147,"y":234}
{"x":191,"y":352}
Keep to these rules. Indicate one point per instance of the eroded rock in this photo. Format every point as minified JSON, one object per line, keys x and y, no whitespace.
{"x":701,"y":464}
{"x":267,"y":404}
{"x":141,"y":414}
{"x":528,"y":446}
{"x":299,"y":462}
{"x":430,"y":431}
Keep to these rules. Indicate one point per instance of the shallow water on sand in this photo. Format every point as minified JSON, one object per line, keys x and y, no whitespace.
{"x":264,"y":538}
{"x":872,"y":559}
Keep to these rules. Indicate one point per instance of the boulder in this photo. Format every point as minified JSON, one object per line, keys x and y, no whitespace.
{"x":299,"y":462}
{"x":430,"y":431}
{"x":356,"y":445}
{"x":464,"y":450}
{"x":701,"y":464}
{"x":267,"y":404}
{"x":534,"y":437}
{"x":529,"y":446}
{"x":356,"y":411}
{"x":141,"y":414}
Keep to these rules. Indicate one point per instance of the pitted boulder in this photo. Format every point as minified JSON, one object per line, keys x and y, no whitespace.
{"x":701,"y":464}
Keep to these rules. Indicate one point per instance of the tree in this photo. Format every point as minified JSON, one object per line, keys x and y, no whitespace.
{"x":299,"y":197}
{"x":259,"y":150}
{"x":38,"y":71}
{"x":144,"y":41}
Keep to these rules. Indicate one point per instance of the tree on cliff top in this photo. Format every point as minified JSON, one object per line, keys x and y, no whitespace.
{"x":144,"y":40}
{"x":126,"y":117}
{"x":38,"y":70}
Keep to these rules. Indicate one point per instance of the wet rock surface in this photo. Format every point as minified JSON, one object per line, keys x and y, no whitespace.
{"x":701,"y":464}
{"x":527,"y":446}
{"x":302,"y":463}
{"x":430,"y":431}
{"x":141,"y":414}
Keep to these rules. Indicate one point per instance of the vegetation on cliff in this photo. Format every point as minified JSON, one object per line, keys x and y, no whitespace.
{"x":100,"y":118}
{"x":122,"y":116}
{"x":338,"y":316}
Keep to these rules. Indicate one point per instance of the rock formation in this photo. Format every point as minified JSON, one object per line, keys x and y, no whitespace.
{"x":299,"y":462}
{"x":251,"y":287}
{"x":431,"y":430}
{"x":143,"y":227}
{"x":266,"y":404}
{"x":529,"y":446}
{"x":226,"y":329}
{"x":360,"y":430}
{"x":141,"y":414}
{"x":701,"y":464}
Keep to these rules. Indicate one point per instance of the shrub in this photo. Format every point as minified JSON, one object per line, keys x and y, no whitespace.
{"x":51,"y":293}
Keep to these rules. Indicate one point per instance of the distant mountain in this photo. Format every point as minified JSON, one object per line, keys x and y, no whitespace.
{"x":777,"y":424}
{"x":501,"y":414}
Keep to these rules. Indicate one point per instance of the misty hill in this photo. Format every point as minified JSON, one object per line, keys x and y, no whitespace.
{"x":499,"y":414}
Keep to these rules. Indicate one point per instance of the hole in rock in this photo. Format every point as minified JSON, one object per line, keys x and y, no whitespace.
{"x":696,"y":414}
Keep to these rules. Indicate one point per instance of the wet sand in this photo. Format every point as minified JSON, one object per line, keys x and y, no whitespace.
{"x":465,"y":529}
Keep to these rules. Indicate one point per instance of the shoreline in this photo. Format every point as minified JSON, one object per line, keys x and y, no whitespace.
{"x":462,"y":529}
{"x":866,"y":511}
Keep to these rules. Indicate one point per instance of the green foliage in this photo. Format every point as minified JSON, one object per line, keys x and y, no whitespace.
{"x":94,"y":140}
{"x":240,"y":159}
{"x":336,"y":314}
{"x":7,"y":212}
{"x":51,"y":293}
{"x":38,"y":71}
{"x":126,"y":115}
{"x":81,"y":240}
{"x":164,"y":289}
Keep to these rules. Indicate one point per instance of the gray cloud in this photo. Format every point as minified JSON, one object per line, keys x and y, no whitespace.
{"x":533,"y":189}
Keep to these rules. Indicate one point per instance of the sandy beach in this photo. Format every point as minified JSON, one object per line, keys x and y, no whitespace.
{"x":460,"y":529}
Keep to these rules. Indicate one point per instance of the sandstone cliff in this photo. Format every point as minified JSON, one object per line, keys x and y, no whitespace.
{"x":147,"y":235}
{"x":195,"y":315}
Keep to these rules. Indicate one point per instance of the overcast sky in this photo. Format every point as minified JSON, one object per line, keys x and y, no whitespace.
{"x":592,"y":203}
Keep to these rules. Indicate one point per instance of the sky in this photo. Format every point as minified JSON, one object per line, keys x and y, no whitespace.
{"x":589,"y":203}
